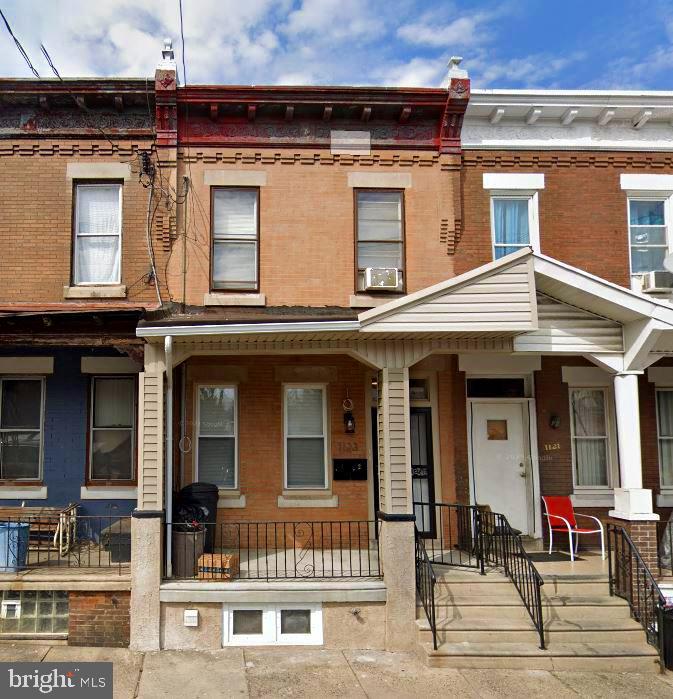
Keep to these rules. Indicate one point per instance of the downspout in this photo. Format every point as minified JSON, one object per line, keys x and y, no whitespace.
{"x":168,"y":353}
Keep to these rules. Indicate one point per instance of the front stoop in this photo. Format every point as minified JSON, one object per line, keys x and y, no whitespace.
{"x":482,"y":623}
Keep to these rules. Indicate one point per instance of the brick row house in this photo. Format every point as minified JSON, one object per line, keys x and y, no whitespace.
{"x":329,"y":304}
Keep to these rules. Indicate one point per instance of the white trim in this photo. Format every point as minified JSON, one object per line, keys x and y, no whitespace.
{"x":250,"y":328}
{"x":235,"y":178}
{"x":665,"y":497}
{"x":108,"y":493}
{"x":496,"y":364}
{"x":95,"y":291}
{"x":382,"y":180}
{"x":271,"y":625}
{"x":224,"y":298}
{"x":26,"y":365}
{"x":109,"y":365}
{"x":197,"y":428}
{"x":585,"y":377}
{"x":98,"y":171}
{"x":513,"y":181}
{"x":646,"y":183}
{"x":325,"y":437}
{"x":661,"y":376}
{"x":287,"y":501}
{"x":18,"y":492}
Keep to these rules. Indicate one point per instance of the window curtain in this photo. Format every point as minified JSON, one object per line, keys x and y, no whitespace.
{"x":665,"y":419}
{"x":113,"y":425}
{"x":98,"y":252}
{"x":510,"y":221}
{"x":305,"y":446}
{"x":590,"y":437}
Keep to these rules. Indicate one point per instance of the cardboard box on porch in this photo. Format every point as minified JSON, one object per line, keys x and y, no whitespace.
{"x":217,"y":566}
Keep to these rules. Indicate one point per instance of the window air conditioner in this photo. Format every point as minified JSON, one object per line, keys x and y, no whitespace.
{"x":381,"y":278}
{"x":657,"y":282}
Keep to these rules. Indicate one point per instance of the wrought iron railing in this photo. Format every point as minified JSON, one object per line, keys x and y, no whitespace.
{"x":665,"y":546}
{"x":631,"y":579}
{"x":274,"y":550}
{"x":64,"y":540}
{"x":467,"y":536}
{"x":425,"y":584}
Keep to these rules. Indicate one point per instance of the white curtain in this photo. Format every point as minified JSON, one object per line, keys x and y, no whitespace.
{"x":98,"y":235}
{"x":590,"y":437}
{"x":665,"y":419}
{"x":510,"y":223}
{"x":113,"y":402}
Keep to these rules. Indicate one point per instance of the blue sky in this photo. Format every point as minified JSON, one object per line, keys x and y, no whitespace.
{"x":594,"y":44}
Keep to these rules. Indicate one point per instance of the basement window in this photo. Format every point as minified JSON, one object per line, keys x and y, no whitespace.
{"x":272,"y":624}
{"x":34,"y":613}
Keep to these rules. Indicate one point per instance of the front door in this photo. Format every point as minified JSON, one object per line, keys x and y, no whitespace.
{"x":422,"y":469}
{"x":499,"y":473}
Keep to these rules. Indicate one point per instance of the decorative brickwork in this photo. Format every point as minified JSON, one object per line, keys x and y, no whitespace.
{"x":99,"y":619}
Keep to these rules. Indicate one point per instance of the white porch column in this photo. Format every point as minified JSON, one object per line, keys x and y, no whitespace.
{"x":632,"y":501}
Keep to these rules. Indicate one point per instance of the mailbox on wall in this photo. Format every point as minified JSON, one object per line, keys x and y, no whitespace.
{"x":350,"y":469}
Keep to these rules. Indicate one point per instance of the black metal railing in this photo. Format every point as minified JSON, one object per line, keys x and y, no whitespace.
{"x":64,"y":540}
{"x":631,"y":579}
{"x":665,"y":547}
{"x":425,"y":584}
{"x":470,"y":537}
{"x":274,"y":550}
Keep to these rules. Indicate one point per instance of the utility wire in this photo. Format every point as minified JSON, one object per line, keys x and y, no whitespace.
{"x":19,"y":47}
{"x":182,"y":37}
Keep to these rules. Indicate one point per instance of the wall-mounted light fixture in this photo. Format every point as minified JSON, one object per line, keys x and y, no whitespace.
{"x":554,"y":421}
{"x":349,"y":420}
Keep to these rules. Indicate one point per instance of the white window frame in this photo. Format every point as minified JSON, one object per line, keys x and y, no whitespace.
{"x":134,"y":427}
{"x":657,"y":391}
{"x":197,"y":430}
{"x":271,"y":634}
{"x":325,"y":434}
{"x":42,"y":381}
{"x":666,"y":197}
{"x":531,"y":197}
{"x":609,"y":446}
{"x":77,"y":236}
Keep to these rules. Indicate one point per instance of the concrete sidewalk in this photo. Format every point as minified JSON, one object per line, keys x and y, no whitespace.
{"x":311,"y":672}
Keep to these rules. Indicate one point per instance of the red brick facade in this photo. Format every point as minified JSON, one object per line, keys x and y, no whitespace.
{"x":99,"y":619}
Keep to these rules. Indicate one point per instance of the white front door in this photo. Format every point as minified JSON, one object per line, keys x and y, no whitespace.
{"x":499,"y":472}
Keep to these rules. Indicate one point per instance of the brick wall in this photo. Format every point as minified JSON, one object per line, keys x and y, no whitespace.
{"x":99,"y":619}
{"x":582,"y":207}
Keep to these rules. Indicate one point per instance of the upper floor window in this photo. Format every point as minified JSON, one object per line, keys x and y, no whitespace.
{"x":235,"y":238}
{"x":380,"y":239}
{"x":112,"y":428}
{"x":513,"y":223}
{"x":98,"y":230}
{"x":21,"y":418}
{"x":648,"y":234}
{"x":216,"y":438}
{"x":589,"y":433}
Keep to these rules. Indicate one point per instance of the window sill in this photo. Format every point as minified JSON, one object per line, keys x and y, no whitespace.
{"x":108,"y":492}
{"x":23,"y":492}
{"x":307,"y":498}
{"x":227,"y":299}
{"x":111,"y":291}
{"x":593,"y":498}
{"x":665,"y":497}
{"x":371,"y":301}
{"x":230,"y":499}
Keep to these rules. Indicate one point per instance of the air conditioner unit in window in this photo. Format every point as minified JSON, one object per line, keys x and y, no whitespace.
{"x":657,"y":282}
{"x":381,"y":278}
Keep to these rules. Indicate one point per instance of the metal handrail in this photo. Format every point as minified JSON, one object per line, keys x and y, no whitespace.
{"x":425,"y":584}
{"x":631,"y":579}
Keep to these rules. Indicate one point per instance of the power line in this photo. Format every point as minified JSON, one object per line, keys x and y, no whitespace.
{"x":182,"y":37}
{"x":18,"y":45}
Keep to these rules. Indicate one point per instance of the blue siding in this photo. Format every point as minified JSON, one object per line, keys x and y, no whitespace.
{"x":65,"y":425}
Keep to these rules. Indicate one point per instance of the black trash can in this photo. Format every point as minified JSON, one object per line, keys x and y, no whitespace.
{"x":667,"y":624}
{"x":206,"y":496}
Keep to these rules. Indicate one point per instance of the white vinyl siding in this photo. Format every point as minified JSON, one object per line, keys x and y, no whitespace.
{"x":665,"y":435}
{"x":589,"y":429}
{"x":216,"y":440}
{"x":305,"y":418}
{"x":98,"y":232}
{"x":235,"y":238}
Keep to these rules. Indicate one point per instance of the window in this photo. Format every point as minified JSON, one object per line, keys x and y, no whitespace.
{"x":665,"y":434}
{"x":513,"y":224}
{"x":112,"y":433}
{"x":216,"y":449}
{"x":648,"y":239}
{"x":379,"y":233}
{"x":589,"y":434}
{"x":235,"y":238}
{"x":305,"y":439}
{"x":21,"y":408}
{"x":34,"y":612}
{"x":97,"y":234}
{"x":272,"y":624}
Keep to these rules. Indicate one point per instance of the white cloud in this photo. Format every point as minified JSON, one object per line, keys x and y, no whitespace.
{"x":529,"y":71}
{"x":419,"y":72}
{"x":463,"y":31}
{"x":335,"y":19}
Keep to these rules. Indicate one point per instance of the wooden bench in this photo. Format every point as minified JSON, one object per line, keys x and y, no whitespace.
{"x":51,"y":528}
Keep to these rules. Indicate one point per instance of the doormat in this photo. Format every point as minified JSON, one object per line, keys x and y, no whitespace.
{"x":553,"y":557}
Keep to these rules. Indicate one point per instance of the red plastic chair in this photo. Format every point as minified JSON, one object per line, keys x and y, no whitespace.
{"x":560,"y":510}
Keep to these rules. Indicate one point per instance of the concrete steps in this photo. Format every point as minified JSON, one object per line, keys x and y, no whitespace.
{"x":482,"y":623}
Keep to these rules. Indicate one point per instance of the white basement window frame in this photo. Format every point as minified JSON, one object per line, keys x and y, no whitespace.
{"x":323,"y":434}
{"x":275,"y":627}
{"x":100,"y":226}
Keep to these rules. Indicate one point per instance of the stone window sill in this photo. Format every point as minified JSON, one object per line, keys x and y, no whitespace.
{"x":226,"y":299}
{"x":665,"y":497}
{"x":23,"y":492}
{"x":594,"y":498}
{"x":370,"y":301}
{"x":112,"y":291}
{"x":308,"y":498}
{"x":231,"y":499}
{"x":108,"y":492}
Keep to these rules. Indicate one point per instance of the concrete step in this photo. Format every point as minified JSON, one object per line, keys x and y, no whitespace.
{"x":513,"y":599}
{"x":594,"y":657}
{"x":573,"y":613}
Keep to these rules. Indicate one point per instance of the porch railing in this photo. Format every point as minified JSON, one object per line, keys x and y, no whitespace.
{"x":64,"y":540}
{"x":274,"y":550}
{"x":632,"y":580}
{"x":465,"y":536}
{"x":425,"y":584}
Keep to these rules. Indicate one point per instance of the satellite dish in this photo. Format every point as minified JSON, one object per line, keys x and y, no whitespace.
{"x":668,"y":262}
